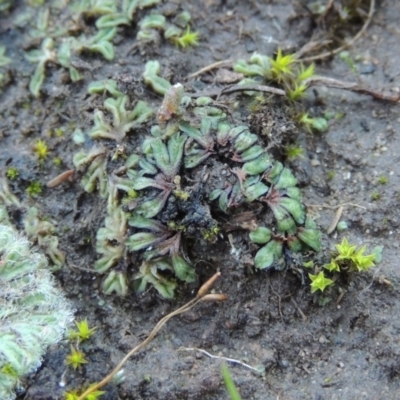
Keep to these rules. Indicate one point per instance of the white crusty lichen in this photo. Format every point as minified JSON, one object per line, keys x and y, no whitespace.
{"x":33,"y":311}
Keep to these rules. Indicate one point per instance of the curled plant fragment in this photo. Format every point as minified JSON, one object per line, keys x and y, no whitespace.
{"x":151,"y":272}
{"x":64,"y":59}
{"x":259,"y":65}
{"x":115,"y":282}
{"x":182,"y":269}
{"x":152,"y":78}
{"x":153,"y":21}
{"x":42,"y":232}
{"x":123,"y":120}
{"x":95,"y":176}
{"x":100,"y":43}
{"x":6,"y":196}
{"x":169,"y":158}
{"x":3,"y":59}
{"x":41,"y":57}
{"x":94,"y":8}
{"x":170,"y":106}
{"x":269,"y":253}
{"x":112,"y":20}
{"x":107,"y":85}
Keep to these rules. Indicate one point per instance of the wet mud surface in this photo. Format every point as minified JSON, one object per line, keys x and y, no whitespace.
{"x":347,"y":349}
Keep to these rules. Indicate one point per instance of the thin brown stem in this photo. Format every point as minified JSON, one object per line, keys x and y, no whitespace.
{"x":201,"y":295}
{"x":207,"y":68}
{"x":350,"y":42}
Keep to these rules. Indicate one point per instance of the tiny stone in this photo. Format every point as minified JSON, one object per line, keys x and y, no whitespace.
{"x":322,"y":339}
{"x":284,"y":363}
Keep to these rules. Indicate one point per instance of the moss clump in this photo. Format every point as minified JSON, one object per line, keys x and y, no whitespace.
{"x":175,"y":206}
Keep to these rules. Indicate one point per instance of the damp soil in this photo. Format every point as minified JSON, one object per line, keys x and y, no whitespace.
{"x":347,"y":349}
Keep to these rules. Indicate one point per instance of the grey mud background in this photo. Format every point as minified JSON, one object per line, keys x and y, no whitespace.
{"x":341,"y":351}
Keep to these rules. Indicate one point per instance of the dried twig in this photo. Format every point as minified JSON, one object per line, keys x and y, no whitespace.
{"x":231,"y":360}
{"x":299,"y":310}
{"x":327,"y":9}
{"x":256,"y":88}
{"x":237,"y":88}
{"x":218,"y":64}
{"x":335,"y":207}
{"x":352,"y":86}
{"x":350,"y":42}
{"x":314,"y":81}
{"x":201,"y":296}
{"x":335,"y":220}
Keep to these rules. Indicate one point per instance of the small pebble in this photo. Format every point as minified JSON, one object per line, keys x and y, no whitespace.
{"x":322,"y":339}
{"x":284,"y":363}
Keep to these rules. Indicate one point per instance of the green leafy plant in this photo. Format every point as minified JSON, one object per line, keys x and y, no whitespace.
{"x":12,"y":173}
{"x":34,"y":313}
{"x":5,"y":5}
{"x":111,"y":15}
{"x":101,"y":43}
{"x":123,"y":120}
{"x":108,"y":85}
{"x":64,"y":55}
{"x":383,"y":180}
{"x":75,"y":395}
{"x":43,"y":233}
{"x":294,"y":151}
{"x":93,"y":164}
{"x":40,"y":149}
{"x":7,"y":198}
{"x":350,"y":258}
{"x":282,"y":65}
{"x":83,"y":331}
{"x":319,"y":282}
{"x":3,"y":59}
{"x":282,"y":70}
{"x":375,"y":195}
{"x":34,"y":189}
{"x":152,"y":78}
{"x":76,"y":358}
{"x":318,"y":124}
{"x":187,"y":39}
{"x":41,"y":57}
{"x":229,"y":384}
{"x":166,"y":210}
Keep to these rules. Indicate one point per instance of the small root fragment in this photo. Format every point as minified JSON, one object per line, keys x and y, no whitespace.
{"x":58,"y":180}
{"x":231,"y":360}
{"x":207,"y":68}
{"x":335,"y":220}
